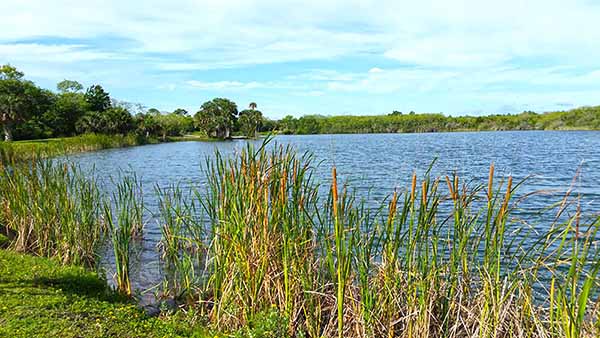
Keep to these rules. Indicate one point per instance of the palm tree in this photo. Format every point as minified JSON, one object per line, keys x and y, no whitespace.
{"x":252,"y":105}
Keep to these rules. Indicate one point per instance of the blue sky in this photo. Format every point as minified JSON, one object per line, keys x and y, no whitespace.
{"x":326,"y":57}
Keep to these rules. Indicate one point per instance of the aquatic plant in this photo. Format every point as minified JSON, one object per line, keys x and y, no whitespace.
{"x":52,"y":210}
{"x":20,"y":151}
{"x":124,"y":215}
{"x":442,"y":258}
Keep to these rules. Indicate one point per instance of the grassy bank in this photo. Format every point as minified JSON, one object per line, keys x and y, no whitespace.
{"x":41,"y":298}
{"x":27,"y":150}
{"x":32,"y":149}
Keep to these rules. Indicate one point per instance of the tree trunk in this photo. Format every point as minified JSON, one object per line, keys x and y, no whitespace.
{"x":7,"y":132}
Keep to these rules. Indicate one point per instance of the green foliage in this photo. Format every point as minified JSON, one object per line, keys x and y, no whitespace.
{"x":250,"y":122}
{"x":97,"y":98}
{"x":11,"y":152}
{"x":173,"y":124}
{"x":115,"y":120}
{"x":8,"y":72}
{"x":29,"y":112}
{"x":19,"y":100}
{"x":62,"y":117}
{"x":396,"y":122}
{"x":180,"y":111}
{"x":68,"y":86}
{"x":52,"y":210}
{"x":217,"y":117}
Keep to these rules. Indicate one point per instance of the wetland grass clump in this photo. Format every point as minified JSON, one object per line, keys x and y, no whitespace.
{"x":20,"y":151}
{"x":124,"y":215}
{"x":51,"y":210}
{"x":54,"y":209}
{"x":181,"y":247}
{"x":441,"y":259}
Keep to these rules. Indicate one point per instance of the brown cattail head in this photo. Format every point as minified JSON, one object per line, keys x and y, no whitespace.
{"x":424,"y":193}
{"x":506,"y":197}
{"x":490,"y":182}
{"x":413,"y":187}
{"x":450,"y":188}
{"x":393,"y":204}
{"x":456,"y":185}
{"x":283,"y":187}
{"x":334,"y":191}
{"x":508,"y":188}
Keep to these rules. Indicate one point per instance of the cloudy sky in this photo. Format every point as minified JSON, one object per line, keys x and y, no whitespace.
{"x":329,"y":57}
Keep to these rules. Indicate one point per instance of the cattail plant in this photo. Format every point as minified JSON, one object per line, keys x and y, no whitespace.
{"x":124,"y":215}
{"x":51,"y":209}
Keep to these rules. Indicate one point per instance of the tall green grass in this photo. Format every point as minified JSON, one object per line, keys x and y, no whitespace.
{"x":52,"y":210}
{"x":268,"y":237}
{"x":124,"y":215}
{"x":11,"y":152}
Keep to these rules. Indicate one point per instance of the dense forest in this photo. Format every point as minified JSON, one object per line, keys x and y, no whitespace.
{"x":28,"y":111}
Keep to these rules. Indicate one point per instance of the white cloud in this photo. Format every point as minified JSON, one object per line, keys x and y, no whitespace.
{"x":429,"y":47}
{"x":460,"y":33}
{"x":59,"y":53}
{"x":224,"y":85}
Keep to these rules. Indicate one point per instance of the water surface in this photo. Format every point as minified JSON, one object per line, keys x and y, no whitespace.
{"x":375,"y":165}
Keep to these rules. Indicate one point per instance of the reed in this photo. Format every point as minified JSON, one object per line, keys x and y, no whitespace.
{"x":124,"y":215}
{"x":20,"y":151}
{"x":181,"y":246}
{"x":442,"y":258}
{"x":51,"y":210}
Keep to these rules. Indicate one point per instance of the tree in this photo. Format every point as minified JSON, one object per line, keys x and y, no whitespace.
{"x":153,"y":111}
{"x":288,"y":124}
{"x":68,"y":108}
{"x":146,"y":124}
{"x":68,"y":86}
{"x":250,"y":121}
{"x":217,"y":117}
{"x":19,"y":99}
{"x":97,"y":98}
{"x":115,"y":120}
{"x":173,"y":124}
{"x":120,"y":120}
{"x":308,"y":125}
{"x":180,"y":111}
{"x":252,"y":105}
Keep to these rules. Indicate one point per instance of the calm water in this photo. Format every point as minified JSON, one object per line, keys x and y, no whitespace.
{"x":375,"y":165}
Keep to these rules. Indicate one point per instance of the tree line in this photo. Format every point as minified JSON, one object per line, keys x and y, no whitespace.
{"x":31,"y":112}
{"x":397,"y":122}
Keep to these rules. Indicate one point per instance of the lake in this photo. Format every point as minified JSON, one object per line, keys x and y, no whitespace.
{"x":374,"y":165}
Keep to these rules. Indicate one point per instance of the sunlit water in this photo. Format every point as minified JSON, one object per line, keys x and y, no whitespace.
{"x":374,"y":165}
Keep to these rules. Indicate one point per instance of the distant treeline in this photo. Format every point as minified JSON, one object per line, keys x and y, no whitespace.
{"x":397,"y":122}
{"x":31,"y":112}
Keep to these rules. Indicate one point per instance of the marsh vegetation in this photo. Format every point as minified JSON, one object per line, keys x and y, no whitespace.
{"x":266,"y":242}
